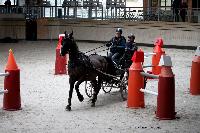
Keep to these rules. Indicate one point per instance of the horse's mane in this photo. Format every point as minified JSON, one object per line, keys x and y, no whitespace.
{"x":75,"y":45}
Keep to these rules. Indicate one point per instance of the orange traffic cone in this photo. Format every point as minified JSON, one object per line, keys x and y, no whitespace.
{"x":195,"y":74}
{"x":61,"y":61}
{"x":136,"y":82}
{"x":12,"y":99}
{"x":156,"y":58}
{"x":166,"y":91}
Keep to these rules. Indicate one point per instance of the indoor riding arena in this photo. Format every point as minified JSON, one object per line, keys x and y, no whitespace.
{"x":47,"y":46}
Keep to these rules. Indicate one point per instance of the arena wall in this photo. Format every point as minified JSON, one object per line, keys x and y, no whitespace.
{"x":175,"y":34}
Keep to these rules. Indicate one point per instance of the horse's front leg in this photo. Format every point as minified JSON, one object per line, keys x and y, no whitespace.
{"x":97,"y":87}
{"x":71,"y":82}
{"x":80,"y":97}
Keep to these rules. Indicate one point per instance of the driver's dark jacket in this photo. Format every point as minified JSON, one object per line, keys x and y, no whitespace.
{"x":117,"y":44}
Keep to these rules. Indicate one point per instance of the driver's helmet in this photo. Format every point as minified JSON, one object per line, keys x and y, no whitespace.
{"x":119,"y":30}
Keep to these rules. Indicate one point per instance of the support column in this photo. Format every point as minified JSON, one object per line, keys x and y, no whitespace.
{"x":145,"y":7}
{"x":189,"y":10}
{"x":56,"y":8}
{"x":90,"y":9}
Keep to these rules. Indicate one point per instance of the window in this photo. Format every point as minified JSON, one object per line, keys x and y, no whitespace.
{"x":166,"y":4}
{"x":196,"y":4}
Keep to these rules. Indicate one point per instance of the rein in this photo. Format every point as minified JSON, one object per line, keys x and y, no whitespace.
{"x":103,"y":50}
{"x":95,"y":49}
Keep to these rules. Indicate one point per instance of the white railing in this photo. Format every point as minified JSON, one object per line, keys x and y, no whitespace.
{"x":99,"y":11}
{"x":149,"y":92}
{"x":150,"y":76}
{"x":4,"y":74}
{"x":1,"y":90}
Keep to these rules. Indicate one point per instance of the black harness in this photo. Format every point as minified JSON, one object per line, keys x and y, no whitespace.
{"x":82,"y":60}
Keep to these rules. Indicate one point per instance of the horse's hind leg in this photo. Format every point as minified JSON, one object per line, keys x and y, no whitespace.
{"x":68,"y":107}
{"x":97,"y":88}
{"x":80,"y":97}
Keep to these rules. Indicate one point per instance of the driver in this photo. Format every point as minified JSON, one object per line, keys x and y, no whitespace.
{"x":117,"y":46}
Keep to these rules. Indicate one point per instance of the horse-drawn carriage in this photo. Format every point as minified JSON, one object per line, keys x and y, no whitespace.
{"x":117,"y":80}
{"x":98,"y":72}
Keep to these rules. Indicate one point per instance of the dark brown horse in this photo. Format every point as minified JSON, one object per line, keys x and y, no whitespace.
{"x":82,"y":68}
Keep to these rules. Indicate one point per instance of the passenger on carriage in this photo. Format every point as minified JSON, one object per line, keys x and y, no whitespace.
{"x":117,"y":46}
{"x":131,"y":45}
{"x":130,"y":49}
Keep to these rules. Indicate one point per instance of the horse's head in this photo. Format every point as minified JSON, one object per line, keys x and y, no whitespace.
{"x":66,"y":43}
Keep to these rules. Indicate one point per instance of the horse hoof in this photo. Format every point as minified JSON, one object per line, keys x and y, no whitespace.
{"x":68,"y":108}
{"x":93,"y":105}
{"x":81,"y":98}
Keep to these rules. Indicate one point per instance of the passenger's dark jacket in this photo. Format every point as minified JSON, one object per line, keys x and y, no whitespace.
{"x":131,"y":48}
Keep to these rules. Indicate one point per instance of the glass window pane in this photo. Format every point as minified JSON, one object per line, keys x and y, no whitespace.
{"x":168,"y":2}
{"x":162,"y":2}
{"x":165,"y":2}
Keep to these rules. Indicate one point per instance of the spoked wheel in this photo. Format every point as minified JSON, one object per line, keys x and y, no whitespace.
{"x":106,"y":88}
{"x":89,"y":89}
{"x":124,"y":87}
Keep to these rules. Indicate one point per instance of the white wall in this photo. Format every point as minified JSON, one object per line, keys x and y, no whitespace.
{"x":21,"y":2}
{"x":3,"y":1}
{"x":134,"y":3}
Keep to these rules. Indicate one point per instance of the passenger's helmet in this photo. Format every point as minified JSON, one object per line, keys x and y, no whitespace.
{"x":132,"y":36}
{"x":119,"y":30}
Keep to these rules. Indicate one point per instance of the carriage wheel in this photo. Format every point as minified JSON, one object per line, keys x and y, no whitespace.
{"x":106,"y":88}
{"x":88,"y":89}
{"x":124,"y":86}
